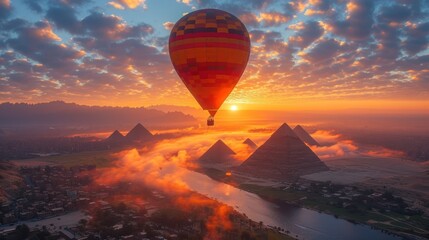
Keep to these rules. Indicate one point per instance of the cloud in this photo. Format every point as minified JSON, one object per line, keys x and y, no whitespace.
{"x":34,"y":5}
{"x":325,"y":50}
{"x":417,"y":39}
{"x":5,"y":9}
{"x":273,"y":18}
{"x":343,"y":148}
{"x":394,"y":13}
{"x":384,"y":152}
{"x":120,"y":4}
{"x":307,"y":33}
{"x":43,"y":47}
{"x":249,"y":19}
{"x":64,"y":18}
{"x":168,"y":25}
{"x":187,"y":2}
{"x":304,"y":50}
{"x":319,"y":7}
{"x":116,"y":5}
{"x":162,"y":167}
{"x":358,"y":22}
{"x":335,"y":145}
{"x":326,"y":137}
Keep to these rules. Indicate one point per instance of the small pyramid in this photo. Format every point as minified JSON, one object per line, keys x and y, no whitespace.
{"x":138,"y":134}
{"x":217,"y":153}
{"x":116,"y":136}
{"x":250,"y":144}
{"x":282,"y":157}
{"x":305,"y":136}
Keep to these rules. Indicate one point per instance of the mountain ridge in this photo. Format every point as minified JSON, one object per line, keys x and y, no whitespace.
{"x":72,"y":115}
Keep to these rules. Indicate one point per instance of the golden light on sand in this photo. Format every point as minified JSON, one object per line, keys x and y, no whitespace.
{"x":233,"y":108}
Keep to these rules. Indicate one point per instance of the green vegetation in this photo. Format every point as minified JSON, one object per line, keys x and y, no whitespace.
{"x":273,"y":235}
{"x":416,"y":224}
{"x":99,"y":158}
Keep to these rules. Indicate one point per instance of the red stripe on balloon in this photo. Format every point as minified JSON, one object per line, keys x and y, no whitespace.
{"x":213,"y":72}
{"x":209,"y":45}
{"x":209,"y":66}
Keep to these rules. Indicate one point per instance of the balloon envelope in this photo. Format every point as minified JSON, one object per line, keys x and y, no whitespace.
{"x":209,"y":49}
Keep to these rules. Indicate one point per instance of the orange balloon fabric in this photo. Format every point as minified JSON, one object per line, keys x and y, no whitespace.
{"x":209,"y":49}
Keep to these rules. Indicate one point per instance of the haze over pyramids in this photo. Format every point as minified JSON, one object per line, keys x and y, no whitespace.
{"x":139,"y":134}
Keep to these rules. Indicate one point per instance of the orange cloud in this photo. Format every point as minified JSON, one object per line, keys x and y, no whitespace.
{"x":311,"y":12}
{"x":116,"y":5}
{"x":46,"y":32}
{"x":128,"y":3}
{"x":384,"y":152}
{"x":5,"y":3}
{"x":334,"y":146}
{"x":161,"y":167}
{"x":168,"y":25}
{"x":325,"y":137}
{"x":344,"y":148}
{"x":187,"y":2}
{"x":273,"y":18}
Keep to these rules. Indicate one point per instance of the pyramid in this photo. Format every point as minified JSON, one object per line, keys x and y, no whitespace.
{"x":250,"y":144}
{"x":282,"y":157}
{"x":139,"y":134}
{"x":217,"y":153}
{"x":305,"y":136}
{"x":116,"y":136}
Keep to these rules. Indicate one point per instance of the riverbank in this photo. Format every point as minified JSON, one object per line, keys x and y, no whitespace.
{"x":403,"y":225}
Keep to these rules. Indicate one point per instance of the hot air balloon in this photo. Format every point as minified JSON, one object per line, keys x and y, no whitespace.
{"x":209,"y":49}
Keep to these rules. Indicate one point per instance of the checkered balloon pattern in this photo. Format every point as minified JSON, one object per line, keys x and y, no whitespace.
{"x":209,"y":49}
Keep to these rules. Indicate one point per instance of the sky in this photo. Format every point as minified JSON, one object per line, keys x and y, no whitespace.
{"x":305,"y":54}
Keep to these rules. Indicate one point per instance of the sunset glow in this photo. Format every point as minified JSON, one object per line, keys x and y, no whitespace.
{"x":233,"y":108}
{"x":304,"y":53}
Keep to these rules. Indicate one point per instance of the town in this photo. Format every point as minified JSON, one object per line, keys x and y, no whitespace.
{"x":65,"y":203}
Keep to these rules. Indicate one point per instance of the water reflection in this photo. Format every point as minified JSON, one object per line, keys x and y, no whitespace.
{"x":305,"y":223}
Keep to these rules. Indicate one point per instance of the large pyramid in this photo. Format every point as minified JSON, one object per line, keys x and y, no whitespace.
{"x":218,"y":153}
{"x":282,"y":157}
{"x":305,"y":136}
{"x":249,"y":143}
{"x":139,"y":134}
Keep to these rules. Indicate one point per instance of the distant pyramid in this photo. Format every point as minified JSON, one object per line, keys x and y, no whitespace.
{"x":139,"y":134}
{"x":305,"y":136}
{"x":250,"y":144}
{"x":282,"y":157}
{"x":116,"y":136}
{"x":217,"y":153}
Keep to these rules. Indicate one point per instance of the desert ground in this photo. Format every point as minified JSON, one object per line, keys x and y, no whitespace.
{"x":406,"y":178}
{"x":365,"y":168}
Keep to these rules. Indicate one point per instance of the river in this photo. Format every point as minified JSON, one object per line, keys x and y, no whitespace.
{"x":306,"y":223}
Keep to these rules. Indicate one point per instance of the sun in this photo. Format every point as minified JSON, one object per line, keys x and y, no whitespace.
{"x":233,"y":108}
